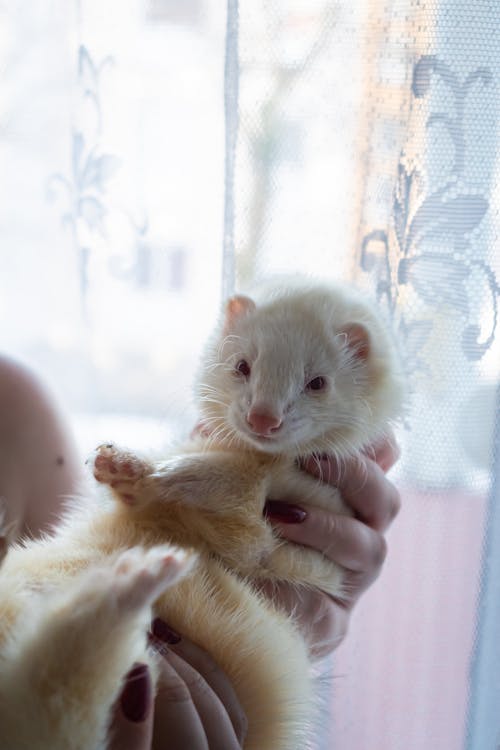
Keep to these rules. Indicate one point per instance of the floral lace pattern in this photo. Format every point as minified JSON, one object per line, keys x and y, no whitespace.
{"x":84,"y":189}
{"x":430,"y":246}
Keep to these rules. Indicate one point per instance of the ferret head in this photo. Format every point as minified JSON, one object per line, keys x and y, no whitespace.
{"x":303,"y":370}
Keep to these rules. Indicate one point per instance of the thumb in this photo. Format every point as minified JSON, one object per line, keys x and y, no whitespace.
{"x":132,"y":722}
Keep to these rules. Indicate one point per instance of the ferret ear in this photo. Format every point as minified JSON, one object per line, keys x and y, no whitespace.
{"x":357,"y":339}
{"x":237,"y":307}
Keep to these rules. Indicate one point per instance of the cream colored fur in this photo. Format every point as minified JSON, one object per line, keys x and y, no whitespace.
{"x":187,"y":535}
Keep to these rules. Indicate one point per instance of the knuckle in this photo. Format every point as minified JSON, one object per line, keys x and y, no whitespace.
{"x":387,"y":504}
{"x":241,"y":725}
{"x":197,"y":684}
{"x":331,"y":523}
{"x":202,"y":661}
{"x":379,"y":551}
{"x":395,"y":503}
{"x":329,"y":625}
{"x":173,"y":690}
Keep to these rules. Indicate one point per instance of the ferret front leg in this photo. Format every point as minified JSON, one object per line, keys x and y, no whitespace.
{"x":301,"y":566}
{"x":292,"y":485}
{"x":125,"y":472}
{"x":295,"y":563}
{"x":191,"y":478}
{"x":63,"y":666}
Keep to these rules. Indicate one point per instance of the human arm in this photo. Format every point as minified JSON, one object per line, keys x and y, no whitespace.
{"x":39,"y":463}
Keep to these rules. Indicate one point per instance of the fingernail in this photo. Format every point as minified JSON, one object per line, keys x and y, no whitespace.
{"x":284,"y":512}
{"x":137,"y":694}
{"x":164,"y":632}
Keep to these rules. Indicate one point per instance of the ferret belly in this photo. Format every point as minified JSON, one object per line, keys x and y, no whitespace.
{"x":259,"y":649}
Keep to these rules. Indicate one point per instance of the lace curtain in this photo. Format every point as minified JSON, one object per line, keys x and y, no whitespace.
{"x":156,"y":153}
{"x":112,"y":152}
{"x":367,"y":150}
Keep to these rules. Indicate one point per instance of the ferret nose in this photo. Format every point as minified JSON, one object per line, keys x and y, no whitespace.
{"x":263,"y":423}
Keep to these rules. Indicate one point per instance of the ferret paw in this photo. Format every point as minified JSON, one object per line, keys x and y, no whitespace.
{"x":140,"y":576}
{"x":120,"y":469}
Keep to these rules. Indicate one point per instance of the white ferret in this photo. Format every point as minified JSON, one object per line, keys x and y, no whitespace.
{"x":303,"y":368}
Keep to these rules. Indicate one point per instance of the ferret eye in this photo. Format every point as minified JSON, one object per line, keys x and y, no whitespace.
{"x":243,"y":368}
{"x":316,"y":384}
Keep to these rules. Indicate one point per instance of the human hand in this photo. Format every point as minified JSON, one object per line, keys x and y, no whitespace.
{"x":356,"y":544}
{"x":196,"y":706}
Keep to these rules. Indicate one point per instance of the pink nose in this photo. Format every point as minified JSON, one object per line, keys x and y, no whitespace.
{"x":262,"y":423}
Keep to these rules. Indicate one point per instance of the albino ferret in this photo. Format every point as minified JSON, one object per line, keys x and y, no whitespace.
{"x":303,"y":368}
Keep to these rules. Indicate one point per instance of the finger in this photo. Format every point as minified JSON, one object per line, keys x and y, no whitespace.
{"x":344,"y":540}
{"x":363,"y":486}
{"x":177,"y":724}
{"x":3,"y":547}
{"x":384,"y":452}
{"x":322,"y":621}
{"x":132,"y":723}
{"x":354,"y":584}
{"x":216,"y":723}
{"x":210,"y":671}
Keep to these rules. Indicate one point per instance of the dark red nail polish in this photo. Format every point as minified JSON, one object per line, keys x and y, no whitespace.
{"x":284,"y":512}
{"x":137,"y":695}
{"x":162,"y":632}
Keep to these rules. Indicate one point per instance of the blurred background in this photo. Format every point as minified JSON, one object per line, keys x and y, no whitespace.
{"x":157,"y":154}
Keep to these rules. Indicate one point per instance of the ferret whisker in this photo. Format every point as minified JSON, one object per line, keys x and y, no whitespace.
{"x":205,"y":388}
{"x":228,"y":339}
{"x":218,"y":433}
{"x":212,"y":400}
{"x":233,"y":437}
{"x":214,"y":366}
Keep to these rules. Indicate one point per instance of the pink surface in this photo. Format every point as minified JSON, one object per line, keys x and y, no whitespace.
{"x":401,"y":676}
